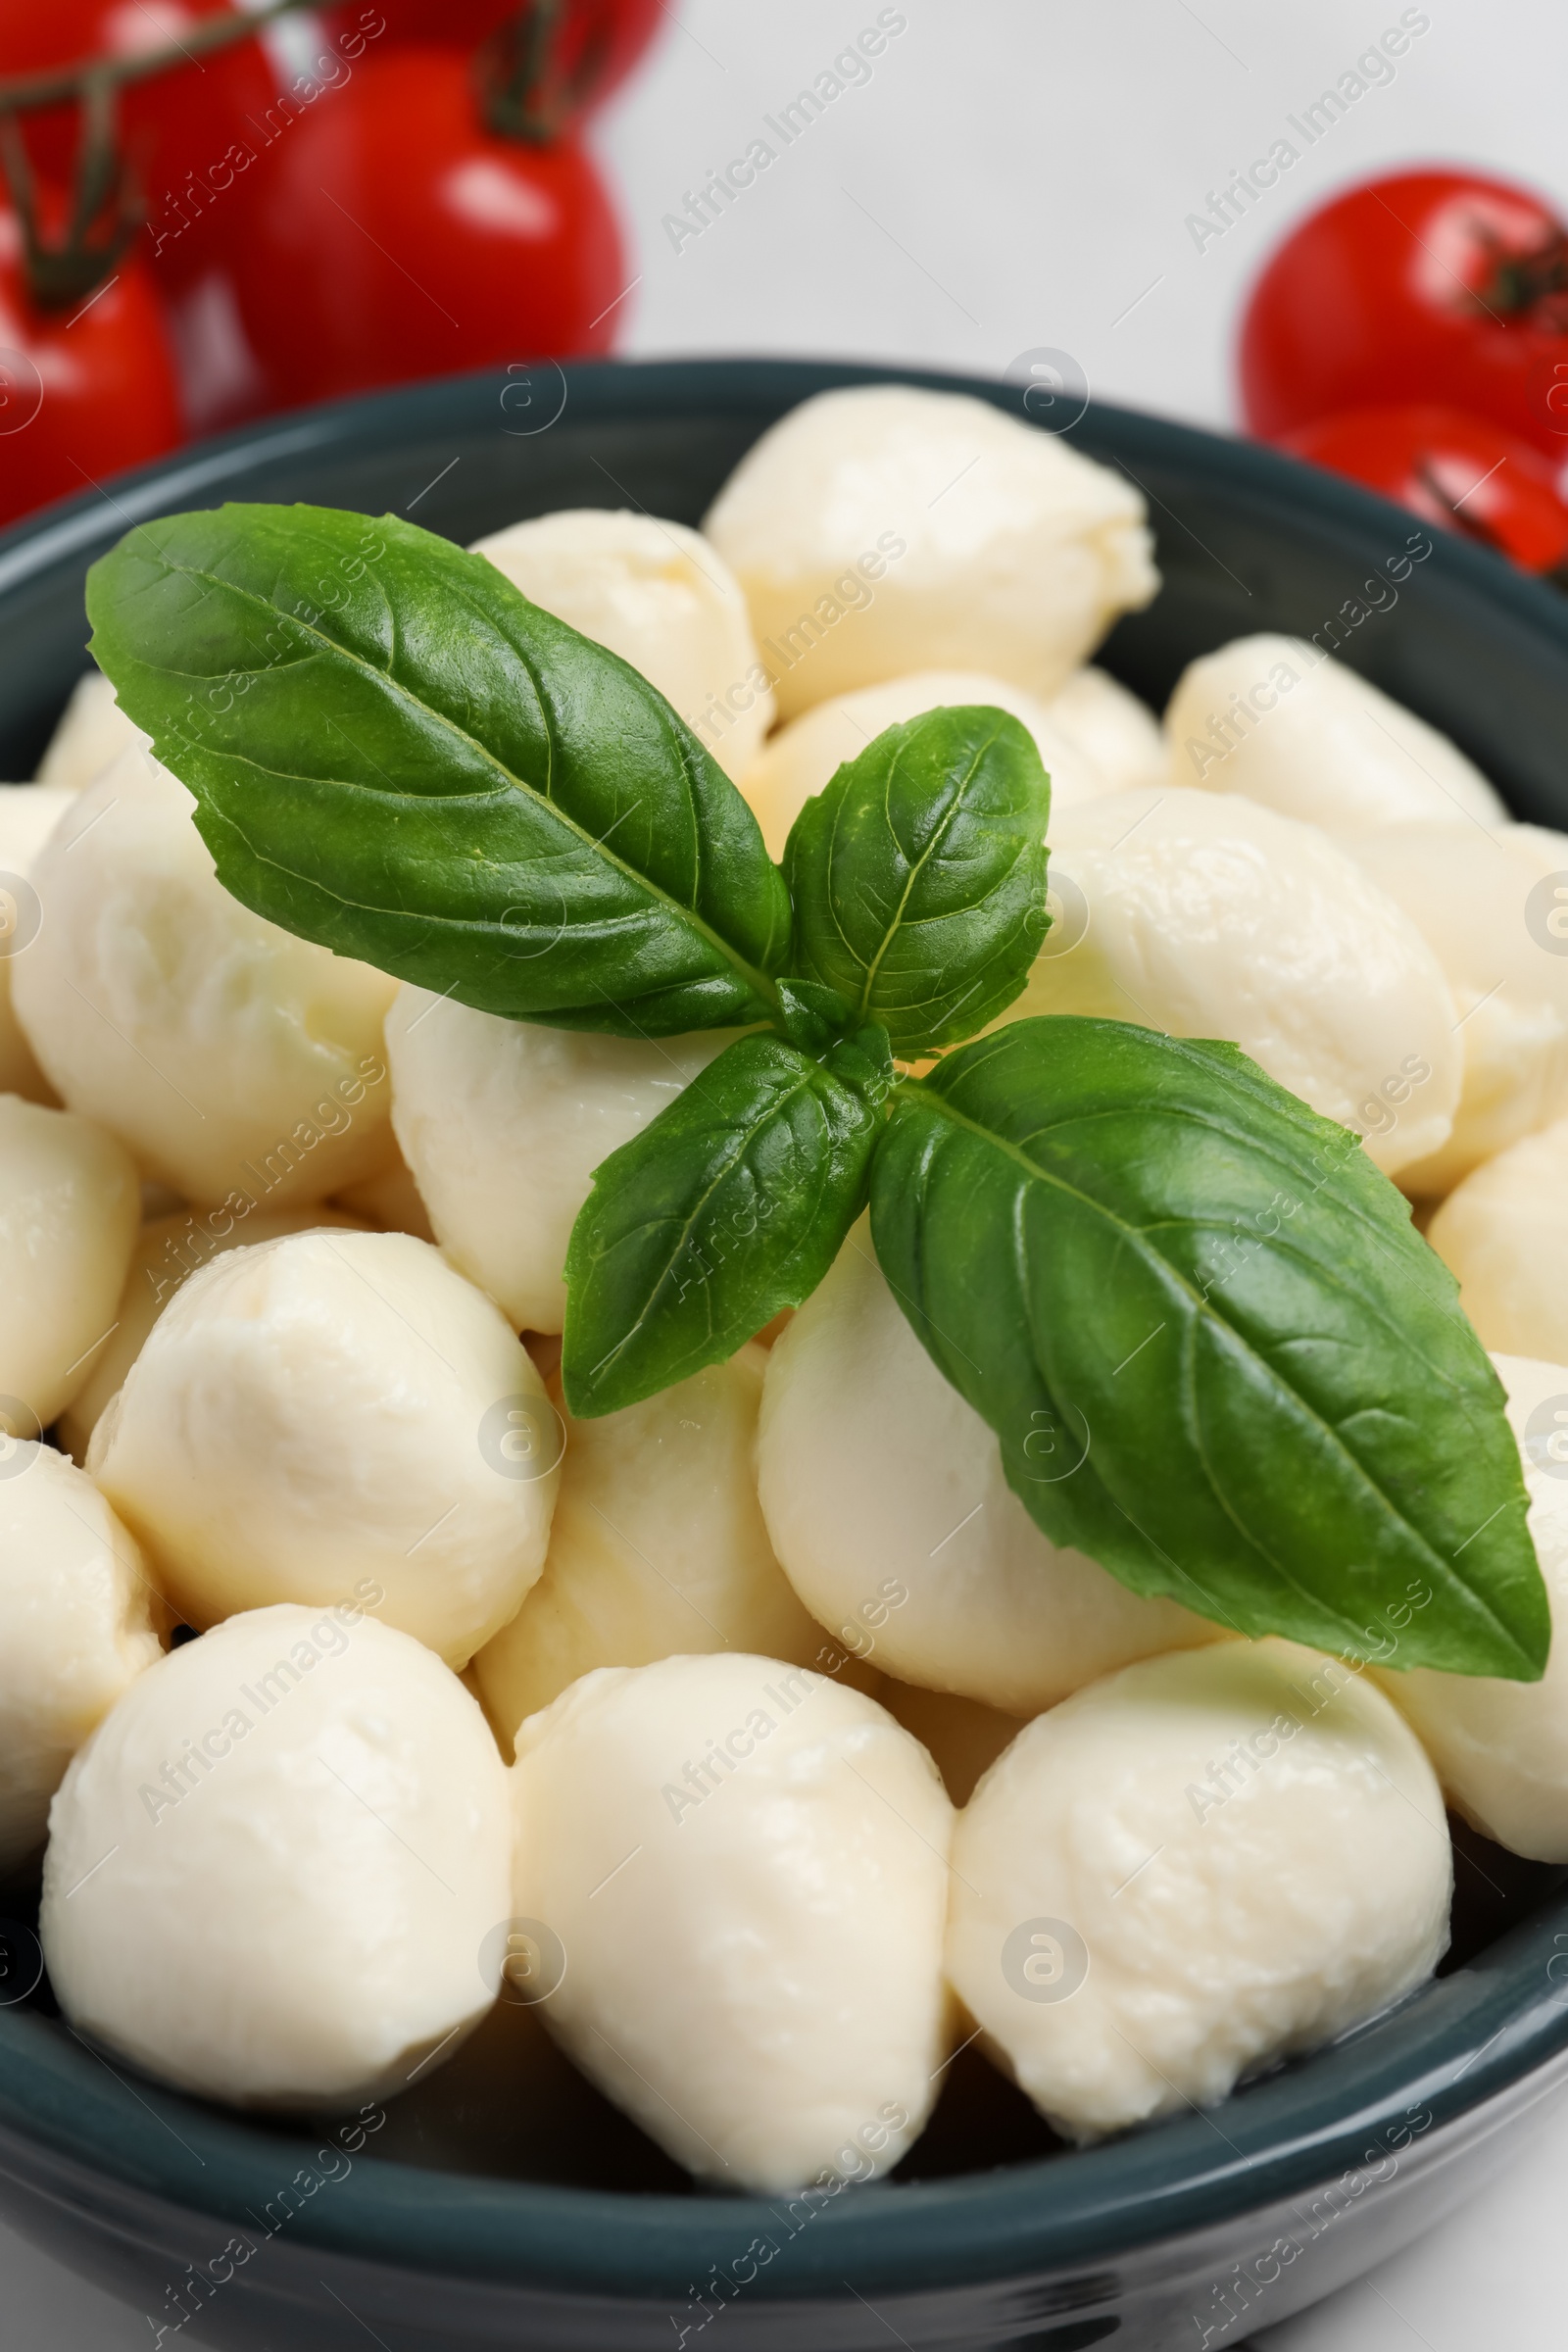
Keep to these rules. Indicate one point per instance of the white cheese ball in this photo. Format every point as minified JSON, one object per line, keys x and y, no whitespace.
{"x":744,"y":1868}
{"x":231,"y":1058}
{"x":29,"y":814}
{"x":275,"y":1868}
{"x":1500,"y":1749}
{"x":504,"y":1123}
{"x":660,"y":596}
{"x":168,"y":1252}
{"x":1205,"y":915}
{"x":69,"y":1210}
{"x":1503,"y":1233}
{"x":1482,"y":902}
{"x":1108,"y":727}
{"x":1283,"y":722}
{"x":656,"y":1547}
{"x":884,"y":529}
{"x":91,"y":733}
{"x":1200,"y":1864}
{"x":77,"y":1628}
{"x":804,"y":756}
{"x":328,"y":1408}
{"x":886,"y":1501}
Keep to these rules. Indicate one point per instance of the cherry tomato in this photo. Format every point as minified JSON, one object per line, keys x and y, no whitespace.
{"x":83,"y":393}
{"x":170,"y":125}
{"x":1461,"y":472}
{"x":1426,"y":286}
{"x":389,"y":235}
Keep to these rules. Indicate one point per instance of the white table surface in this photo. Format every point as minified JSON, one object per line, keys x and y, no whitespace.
{"x":1016,"y":175}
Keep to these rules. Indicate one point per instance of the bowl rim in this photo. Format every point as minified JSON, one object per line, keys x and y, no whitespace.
{"x":1447,"y":2050}
{"x":1459,"y":2044}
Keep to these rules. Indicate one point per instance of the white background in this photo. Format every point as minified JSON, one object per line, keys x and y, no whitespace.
{"x":1019,"y":172}
{"x":1016,"y":175}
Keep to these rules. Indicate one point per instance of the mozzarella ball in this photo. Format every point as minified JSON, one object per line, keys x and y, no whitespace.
{"x":804,"y":756}
{"x":275,"y":1868}
{"x":1111,"y":729}
{"x":168,"y":1252}
{"x":662,"y":597}
{"x":1279,"y":720}
{"x":1476,"y":899}
{"x":963,"y":1737}
{"x":504,"y":1123}
{"x":91,"y":733}
{"x":883,"y":529}
{"x":77,"y":1628}
{"x":1205,"y":915}
{"x":885,"y":1498}
{"x":1502,"y":1233}
{"x":333,"y":1408}
{"x":29,"y":814}
{"x":1201,"y":1865}
{"x":743,"y":1867}
{"x":69,"y":1210}
{"x":1500,"y":1749}
{"x":232,"y":1057}
{"x":656,"y":1547}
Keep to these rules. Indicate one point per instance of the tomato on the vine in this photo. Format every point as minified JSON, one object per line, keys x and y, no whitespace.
{"x":1421,"y":286}
{"x":82,"y":394}
{"x":1461,"y":472}
{"x":172,"y":125}
{"x":392,"y":236}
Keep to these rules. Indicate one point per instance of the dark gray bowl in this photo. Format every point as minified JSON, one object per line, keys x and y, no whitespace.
{"x":504,"y":2204}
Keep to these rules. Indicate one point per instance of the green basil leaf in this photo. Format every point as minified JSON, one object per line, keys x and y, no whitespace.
{"x":812,"y":1017}
{"x":395,"y":754}
{"x":730,"y":1206}
{"x":918,"y":875}
{"x":1216,"y":1354}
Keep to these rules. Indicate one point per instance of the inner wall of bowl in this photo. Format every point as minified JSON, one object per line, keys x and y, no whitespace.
{"x":1247,"y":542}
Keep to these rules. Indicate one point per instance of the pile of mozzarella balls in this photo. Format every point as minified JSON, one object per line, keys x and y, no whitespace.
{"x":755,"y":1734}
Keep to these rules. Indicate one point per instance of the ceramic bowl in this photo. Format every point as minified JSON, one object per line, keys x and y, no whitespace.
{"x":501,"y":2203}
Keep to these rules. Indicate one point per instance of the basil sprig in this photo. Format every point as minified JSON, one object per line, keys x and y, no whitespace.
{"x":1214,"y":1352}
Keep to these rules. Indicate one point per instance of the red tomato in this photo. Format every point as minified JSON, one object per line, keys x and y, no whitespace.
{"x":1461,"y":472}
{"x":1427,"y":285}
{"x":83,"y":392}
{"x":172,"y":125}
{"x":603,"y":37}
{"x":388,"y":235}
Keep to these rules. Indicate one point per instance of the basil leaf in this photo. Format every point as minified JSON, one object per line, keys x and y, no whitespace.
{"x":395,"y":754}
{"x":730,"y":1206}
{"x":1217,"y":1355}
{"x":918,"y":875}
